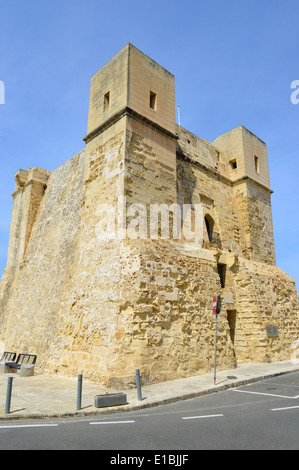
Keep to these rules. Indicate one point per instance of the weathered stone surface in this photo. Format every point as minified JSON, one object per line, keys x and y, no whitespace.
{"x":27,"y":370}
{"x":106,"y":306}
{"x":113,"y":399}
{"x":4,"y":369}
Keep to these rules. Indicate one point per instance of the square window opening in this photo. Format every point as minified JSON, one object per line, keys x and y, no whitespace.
{"x":233,"y":164}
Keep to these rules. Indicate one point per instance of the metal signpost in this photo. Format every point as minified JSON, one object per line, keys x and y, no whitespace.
{"x":138,"y":383}
{"x":216,"y":310}
{"x":8,"y":395}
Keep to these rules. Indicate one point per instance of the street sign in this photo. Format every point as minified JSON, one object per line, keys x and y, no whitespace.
{"x":218,"y":307}
{"x":214,"y":304}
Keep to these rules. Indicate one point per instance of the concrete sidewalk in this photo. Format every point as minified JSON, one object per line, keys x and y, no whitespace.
{"x":44,"y":396}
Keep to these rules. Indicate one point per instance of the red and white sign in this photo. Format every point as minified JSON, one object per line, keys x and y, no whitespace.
{"x":214,"y":304}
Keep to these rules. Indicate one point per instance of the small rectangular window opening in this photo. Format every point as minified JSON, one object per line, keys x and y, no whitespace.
{"x":221,"y":271}
{"x":257,"y":164}
{"x":153,"y":100}
{"x":233,"y":164}
{"x":106,"y":101}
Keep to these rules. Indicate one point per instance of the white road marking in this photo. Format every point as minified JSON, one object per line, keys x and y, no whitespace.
{"x":28,"y":426}
{"x":286,"y":408}
{"x":112,"y":422}
{"x":267,"y":394}
{"x":203,"y":416}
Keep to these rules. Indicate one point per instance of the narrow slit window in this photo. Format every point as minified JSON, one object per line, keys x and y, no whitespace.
{"x":153,"y":100}
{"x":231,"y":318}
{"x":209,"y":226}
{"x":257,"y":164}
{"x":106,"y":101}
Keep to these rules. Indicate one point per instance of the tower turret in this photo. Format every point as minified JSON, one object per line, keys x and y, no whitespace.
{"x":246,"y":158}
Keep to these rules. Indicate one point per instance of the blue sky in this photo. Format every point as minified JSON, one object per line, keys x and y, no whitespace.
{"x":234,"y":63}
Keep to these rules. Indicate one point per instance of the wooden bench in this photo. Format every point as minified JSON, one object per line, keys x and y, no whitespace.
{"x":24,"y":363}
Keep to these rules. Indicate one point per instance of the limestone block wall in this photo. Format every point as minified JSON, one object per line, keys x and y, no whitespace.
{"x":29,"y":190}
{"x":110,"y":82}
{"x":255,"y":214}
{"x":173,"y":325}
{"x":197,"y":186}
{"x":241,"y":147}
{"x":150,"y":166}
{"x":32,"y":295}
{"x":105,"y":307}
{"x":265,"y":296}
{"x":147,"y":76}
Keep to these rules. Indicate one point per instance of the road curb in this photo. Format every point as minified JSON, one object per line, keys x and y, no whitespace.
{"x":145,"y":404}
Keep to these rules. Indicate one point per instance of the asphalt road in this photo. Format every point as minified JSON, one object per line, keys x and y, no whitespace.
{"x":260,"y":416}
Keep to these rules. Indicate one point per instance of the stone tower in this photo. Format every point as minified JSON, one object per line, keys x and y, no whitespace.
{"x":88,"y":295}
{"x":133,"y":97}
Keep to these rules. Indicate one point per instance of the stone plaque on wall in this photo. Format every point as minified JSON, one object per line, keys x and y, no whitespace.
{"x":272,"y":330}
